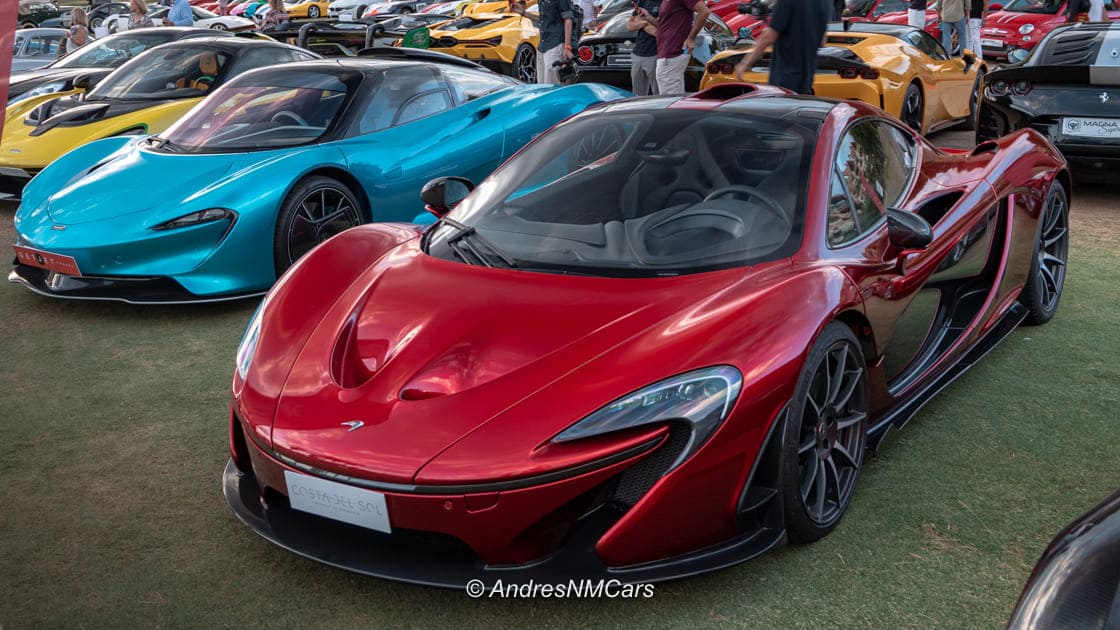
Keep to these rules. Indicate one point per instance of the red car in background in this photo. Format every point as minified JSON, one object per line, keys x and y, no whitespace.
{"x":872,"y":10}
{"x":1013,"y":29}
{"x":932,"y":25}
{"x":737,"y":14}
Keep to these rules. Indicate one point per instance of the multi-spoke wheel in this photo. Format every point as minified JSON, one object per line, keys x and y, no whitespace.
{"x":1047,"y":275}
{"x":825,"y":435}
{"x":315,"y":210}
{"x":218,"y":26}
{"x":974,"y":103}
{"x":913,"y":108}
{"x":525,"y":64}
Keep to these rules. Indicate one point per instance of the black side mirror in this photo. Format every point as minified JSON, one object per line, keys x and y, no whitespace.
{"x":83,"y":82}
{"x":443,"y":193}
{"x":907,"y":230}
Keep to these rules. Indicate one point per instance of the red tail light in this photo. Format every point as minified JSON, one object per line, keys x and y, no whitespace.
{"x":869,"y":73}
{"x":727,"y":68}
{"x":720,"y":68}
{"x":849,"y":73}
{"x":586,"y":54}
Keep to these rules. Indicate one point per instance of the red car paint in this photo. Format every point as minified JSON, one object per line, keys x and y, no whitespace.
{"x":1002,"y":33}
{"x":469,"y":371}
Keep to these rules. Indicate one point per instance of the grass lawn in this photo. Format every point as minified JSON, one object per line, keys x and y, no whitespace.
{"x":113,"y":438}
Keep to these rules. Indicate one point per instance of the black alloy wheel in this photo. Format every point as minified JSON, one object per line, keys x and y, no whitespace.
{"x":525,"y":64}
{"x":315,"y":210}
{"x":913,"y":109}
{"x":825,"y":435}
{"x":1047,"y":276}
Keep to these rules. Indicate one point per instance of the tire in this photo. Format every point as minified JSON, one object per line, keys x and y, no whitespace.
{"x":96,"y":22}
{"x":825,"y":436}
{"x":313,"y":12}
{"x":524,"y":67}
{"x":302,"y":223}
{"x":360,"y":12}
{"x":29,"y":24}
{"x":217,"y":26}
{"x":974,"y":103}
{"x":1046,"y":279}
{"x":913,"y":108}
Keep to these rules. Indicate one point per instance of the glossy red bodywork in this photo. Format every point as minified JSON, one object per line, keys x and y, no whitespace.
{"x":463,"y":374}
{"x":1003,"y":26}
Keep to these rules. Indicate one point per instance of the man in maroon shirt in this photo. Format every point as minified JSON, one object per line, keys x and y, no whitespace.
{"x":678,"y":23}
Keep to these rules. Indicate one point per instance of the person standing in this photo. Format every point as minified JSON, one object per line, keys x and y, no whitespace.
{"x":1096,"y":11}
{"x":223,"y":7}
{"x":557,"y":24}
{"x":916,"y":13}
{"x":588,"y":13}
{"x":978,"y":10}
{"x":643,"y":58}
{"x":78,"y":35}
{"x":954,"y":19}
{"x":677,"y":24}
{"x":139,"y":14}
{"x":180,"y":14}
{"x":796,"y":31}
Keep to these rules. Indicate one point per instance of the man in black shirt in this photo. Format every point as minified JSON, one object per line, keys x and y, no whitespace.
{"x":643,"y":59}
{"x":557,"y":20}
{"x":796,"y":31}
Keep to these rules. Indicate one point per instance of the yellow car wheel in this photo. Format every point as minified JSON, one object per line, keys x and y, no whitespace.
{"x":313,"y":12}
{"x":913,"y":107}
{"x":974,"y":102}
{"x":525,"y":64}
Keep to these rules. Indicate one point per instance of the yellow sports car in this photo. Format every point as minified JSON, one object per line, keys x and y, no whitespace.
{"x":145,"y":95}
{"x":312,"y":9}
{"x":901,"y":69}
{"x":504,"y":42}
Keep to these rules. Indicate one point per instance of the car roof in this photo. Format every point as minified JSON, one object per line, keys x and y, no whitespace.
{"x":41,"y":31}
{"x":229,"y":44}
{"x":892,"y":30}
{"x":731,"y":98}
{"x":364,"y":65}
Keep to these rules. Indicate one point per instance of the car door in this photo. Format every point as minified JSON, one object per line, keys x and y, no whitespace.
{"x":953,"y":85}
{"x":919,"y":303}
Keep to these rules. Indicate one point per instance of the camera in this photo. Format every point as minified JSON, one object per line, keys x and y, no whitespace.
{"x":565,"y":70}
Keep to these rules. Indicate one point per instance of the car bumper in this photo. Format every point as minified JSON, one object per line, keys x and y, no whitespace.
{"x":441,"y":540}
{"x":132,"y":290}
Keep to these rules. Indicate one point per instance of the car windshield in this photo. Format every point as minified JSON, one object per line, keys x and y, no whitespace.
{"x":113,"y":50}
{"x":641,"y":194}
{"x":164,"y":73}
{"x":1048,"y":7}
{"x":256,"y":114}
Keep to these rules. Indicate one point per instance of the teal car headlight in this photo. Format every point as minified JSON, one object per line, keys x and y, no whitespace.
{"x":197,"y":218}
{"x":248,"y":345}
{"x":701,"y":398}
{"x":46,"y":88}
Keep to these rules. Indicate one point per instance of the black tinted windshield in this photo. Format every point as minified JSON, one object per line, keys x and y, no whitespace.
{"x":1048,"y":7}
{"x":114,"y":50}
{"x":165,"y":73}
{"x":258,"y":114}
{"x":642,"y":194}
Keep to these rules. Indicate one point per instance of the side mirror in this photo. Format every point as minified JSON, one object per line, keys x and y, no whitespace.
{"x":83,"y":82}
{"x":969,"y":58}
{"x":907,"y":230}
{"x":442,"y":194}
{"x":744,"y":8}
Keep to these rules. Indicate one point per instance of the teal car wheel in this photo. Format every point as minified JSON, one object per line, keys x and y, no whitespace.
{"x":315,"y":210}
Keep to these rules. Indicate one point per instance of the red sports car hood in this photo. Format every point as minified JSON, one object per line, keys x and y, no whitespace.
{"x":1014,"y":19}
{"x":423,"y":351}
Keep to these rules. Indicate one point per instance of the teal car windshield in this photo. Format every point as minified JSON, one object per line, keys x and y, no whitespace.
{"x":113,"y":51}
{"x":243,"y":117}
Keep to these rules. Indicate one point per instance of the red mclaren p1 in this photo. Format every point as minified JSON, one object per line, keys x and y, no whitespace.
{"x":656,"y":342}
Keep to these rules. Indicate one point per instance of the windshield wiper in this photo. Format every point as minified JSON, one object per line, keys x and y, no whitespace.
{"x":165,"y":144}
{"x":468,"y":231}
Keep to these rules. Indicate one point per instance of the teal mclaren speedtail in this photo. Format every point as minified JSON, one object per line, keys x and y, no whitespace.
{"x":267,"y":167}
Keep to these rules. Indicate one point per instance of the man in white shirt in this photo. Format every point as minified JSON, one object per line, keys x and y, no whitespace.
{"x":589,"y":10}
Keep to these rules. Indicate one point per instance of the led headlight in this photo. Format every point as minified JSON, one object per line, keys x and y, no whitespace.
{"x":702,"y":398}
{"x":196,"y":218}
{"x":248,"y":344}
{"x":46,"y":88}
{"x":1026,"y":29}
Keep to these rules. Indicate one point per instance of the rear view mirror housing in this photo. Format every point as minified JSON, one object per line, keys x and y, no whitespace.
{"x":442,"y":194}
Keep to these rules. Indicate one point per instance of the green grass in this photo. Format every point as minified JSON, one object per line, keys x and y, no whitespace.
{"x":113,"y":438}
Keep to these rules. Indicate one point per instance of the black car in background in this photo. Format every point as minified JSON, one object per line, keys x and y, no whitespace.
{"x":1069,"y":90}
{"x":36,"y":13}
{"x":95,"y":60}
{"x":604,"y":57}
{"x":1076,"y":583}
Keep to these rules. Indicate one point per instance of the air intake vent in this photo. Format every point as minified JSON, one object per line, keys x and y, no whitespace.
{"x":1072,"y":48}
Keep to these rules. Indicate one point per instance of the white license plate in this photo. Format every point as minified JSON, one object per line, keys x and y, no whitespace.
{"x":991,"y":43}
{"x":618,"y":60}
{"x":1091,"y":127}
{"x":337,"y":501}
{"x":346,"y":17}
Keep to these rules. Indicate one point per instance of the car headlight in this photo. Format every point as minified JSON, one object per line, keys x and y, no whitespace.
{"x":702,"y":398}
{"x":248,"y":344}
{"x":46,"y":88}
{"x":196,"y":218}
{"x":1026,"y":28}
